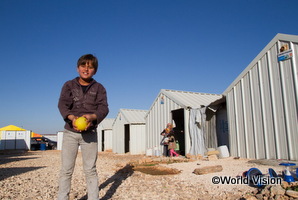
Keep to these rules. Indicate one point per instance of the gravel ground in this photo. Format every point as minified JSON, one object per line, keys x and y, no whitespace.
{"x":34,"y":175}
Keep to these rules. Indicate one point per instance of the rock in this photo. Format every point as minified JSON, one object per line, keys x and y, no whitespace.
{"x":292,"y":193}
{"x":207,"y":170}
{"x":249,"y":197}
{"x":215,"y":152}
{"x":285,"y":184}
{"x":277,"y":189}
{"x":212,"y":157}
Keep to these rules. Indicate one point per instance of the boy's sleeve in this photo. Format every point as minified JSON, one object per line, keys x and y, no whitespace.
{"x":102,"y":106}
{"x":65,"y":102}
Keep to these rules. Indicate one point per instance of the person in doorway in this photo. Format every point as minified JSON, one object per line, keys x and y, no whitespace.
{"x":172,"y":145}
{"x":164,"y":141}
{"x":82,"y":96}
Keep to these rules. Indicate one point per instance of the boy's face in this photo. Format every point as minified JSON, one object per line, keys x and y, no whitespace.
{"x":86,"y":71}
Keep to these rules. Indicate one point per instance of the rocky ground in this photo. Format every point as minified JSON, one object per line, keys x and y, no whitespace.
{"x":34,"y":175}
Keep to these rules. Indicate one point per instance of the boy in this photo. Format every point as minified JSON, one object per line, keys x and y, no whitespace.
{"x":82,"y":96}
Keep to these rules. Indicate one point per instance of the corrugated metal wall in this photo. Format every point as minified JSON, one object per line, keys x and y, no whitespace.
{"x":157,"y":119}
{"x":262,"y":105}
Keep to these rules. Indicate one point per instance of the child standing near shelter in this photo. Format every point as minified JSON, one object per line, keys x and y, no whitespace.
{"x":172,"y":145}
{"x":164,"y":141}
{"x":82,"y":96}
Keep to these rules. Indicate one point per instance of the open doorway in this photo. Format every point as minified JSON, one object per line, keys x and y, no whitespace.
{"x":178,"y":118}
{"x":126,"y":138}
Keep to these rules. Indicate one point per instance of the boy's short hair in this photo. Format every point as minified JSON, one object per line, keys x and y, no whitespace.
{"x":88,"y":57}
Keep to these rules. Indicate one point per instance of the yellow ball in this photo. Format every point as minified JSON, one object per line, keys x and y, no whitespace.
{"x":81,"y":123}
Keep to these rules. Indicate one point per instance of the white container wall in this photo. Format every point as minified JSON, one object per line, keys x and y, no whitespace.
{"x":13,"y":140}
{"x":129,"y":132}
{"x":262,"y":104}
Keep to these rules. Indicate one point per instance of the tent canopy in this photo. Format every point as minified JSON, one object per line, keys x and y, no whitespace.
{"x":11,"y":128}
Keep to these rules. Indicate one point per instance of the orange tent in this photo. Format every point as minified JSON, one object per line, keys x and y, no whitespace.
{"x":35,"y":134}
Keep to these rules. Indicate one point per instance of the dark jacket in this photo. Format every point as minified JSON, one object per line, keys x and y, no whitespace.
{"x":73,"y":101}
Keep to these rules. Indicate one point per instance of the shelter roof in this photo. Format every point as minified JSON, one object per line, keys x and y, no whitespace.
{"x":277,"y":38}
{"x":190,"y":99}
{"x":133,"y":116}
{"x":12,"y":128}
{"x":107,"y":123}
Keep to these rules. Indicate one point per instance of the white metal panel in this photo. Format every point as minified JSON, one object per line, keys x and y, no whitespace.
{"x":277,"y":104}
{"x":134,"y":116}
{"x":265,"y":92}
{"x":108,"y":139}
{"x":257,"y":113}
{"x":23,"y":139}
{"x":240,"y":122}
{"x":290,"y":105}
{"x":248,"y":117}
{"x":230,"y":99}
{"x":10,"y":139}
{"x":118,"y":134}
{"x":137,"y":139}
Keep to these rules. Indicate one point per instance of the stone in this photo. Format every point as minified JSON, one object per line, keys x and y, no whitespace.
{"x":212,"y":157}
{"x":285,"y":184}
{"x":208,"y":169}
{"x":277,"y":189}
{"x":292,"y":193}
{"x":215,"y":152}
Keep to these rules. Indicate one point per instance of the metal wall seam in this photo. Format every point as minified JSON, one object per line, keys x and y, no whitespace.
{"x":241,"y":130}
{"x":257,"y":108}
{"x":247,"y":112}
{"x":232,"y":122}
{"x":269,"y":132}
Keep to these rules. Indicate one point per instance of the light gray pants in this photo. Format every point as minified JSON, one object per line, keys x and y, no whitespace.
{"x":89,"y":149}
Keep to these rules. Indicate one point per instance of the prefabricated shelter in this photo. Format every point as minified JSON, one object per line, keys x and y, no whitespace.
{"x":186,"y":110}
{"x":104,"y":134}
{"x":129,"y":132}
{"x":262,"y":103}
{"x":14,"y":138}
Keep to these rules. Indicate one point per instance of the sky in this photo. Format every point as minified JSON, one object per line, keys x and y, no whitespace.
{"x":142,"y":46}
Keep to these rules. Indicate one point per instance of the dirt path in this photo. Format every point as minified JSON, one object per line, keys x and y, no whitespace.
{"x":34,"y":175}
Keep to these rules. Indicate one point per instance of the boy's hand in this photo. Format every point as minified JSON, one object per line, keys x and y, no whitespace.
{"x":73,"y":119}
{"x":90,"y":118}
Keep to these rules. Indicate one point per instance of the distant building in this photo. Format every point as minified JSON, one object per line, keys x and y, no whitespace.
{"x":14,"y":138}
{"x":129,"y":132}
{"x":187,"y":111}
{"x":105,"y":135}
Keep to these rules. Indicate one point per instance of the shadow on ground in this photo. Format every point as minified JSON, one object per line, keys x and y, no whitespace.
{"x":115,"y":181}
